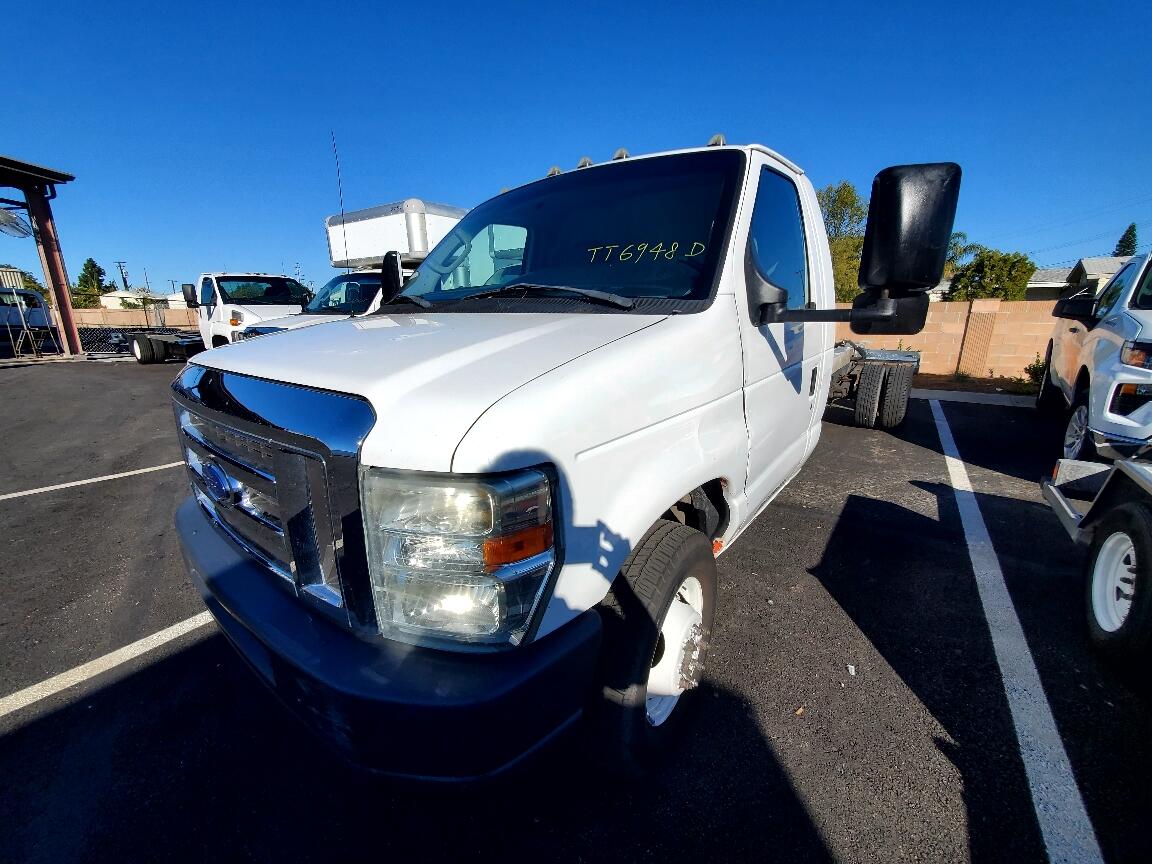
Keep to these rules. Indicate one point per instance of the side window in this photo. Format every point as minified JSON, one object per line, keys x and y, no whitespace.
{"x":1114,"y":290}
{"x":777,"y":237}
{"x":1142,"y":296}
{"x":494,"y":257}
{"x":207,"y":295}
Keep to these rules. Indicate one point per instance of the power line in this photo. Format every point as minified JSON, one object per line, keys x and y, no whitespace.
{"x":1083,"y":216}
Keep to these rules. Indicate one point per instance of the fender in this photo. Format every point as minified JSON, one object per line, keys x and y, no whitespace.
{"x":659,"y":413}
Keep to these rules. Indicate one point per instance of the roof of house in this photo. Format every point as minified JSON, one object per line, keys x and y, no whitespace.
{"x":1050,"y":276}
{"x":1103,"y":265}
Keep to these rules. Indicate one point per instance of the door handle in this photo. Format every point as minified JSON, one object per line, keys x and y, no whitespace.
{"x":812,"y":385}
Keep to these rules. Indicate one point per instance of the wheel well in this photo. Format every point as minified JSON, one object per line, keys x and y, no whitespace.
{"x":1082,"y":380}
{"x":217,"y":341}
{"x":704,"y":508}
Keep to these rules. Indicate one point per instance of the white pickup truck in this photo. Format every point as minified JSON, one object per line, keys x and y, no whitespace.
{"x":445,"y":532}
{"x":1099,"y":366}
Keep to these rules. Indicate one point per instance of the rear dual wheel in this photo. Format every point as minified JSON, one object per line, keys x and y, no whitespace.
{"x":882,"y":394}
{"x":146,"y":351}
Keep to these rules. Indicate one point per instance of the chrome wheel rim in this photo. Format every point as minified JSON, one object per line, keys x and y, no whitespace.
{"x":677,"y":661}
{"x":135,"y":349}
{"x":1113,"y":582}
{"x":1076,"y":432}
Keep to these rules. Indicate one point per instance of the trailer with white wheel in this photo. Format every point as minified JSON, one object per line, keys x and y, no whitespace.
{"x":1107,"y":509}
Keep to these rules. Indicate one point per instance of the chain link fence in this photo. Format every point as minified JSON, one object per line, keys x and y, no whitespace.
{"x":114,"y":340}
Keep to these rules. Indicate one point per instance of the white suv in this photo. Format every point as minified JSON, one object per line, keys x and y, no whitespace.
{"x":1099,"y":365}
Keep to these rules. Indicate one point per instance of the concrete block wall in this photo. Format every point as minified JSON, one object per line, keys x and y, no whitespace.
{"x":974,"y":337}
{"x":180,"y":318}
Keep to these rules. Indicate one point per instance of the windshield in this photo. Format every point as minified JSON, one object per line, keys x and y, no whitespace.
{"x":262,"y":290}
{"x":346,"y":294}
{"x":644,"y":228}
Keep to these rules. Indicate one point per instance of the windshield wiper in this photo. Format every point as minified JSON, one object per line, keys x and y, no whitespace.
{"x":414,"y":299}
{"x":617,"y":300}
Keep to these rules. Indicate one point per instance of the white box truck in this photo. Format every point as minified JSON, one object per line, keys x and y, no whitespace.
{"x":360,"y":240}
{"x":411,"y":227}
{"x":446,"y":532}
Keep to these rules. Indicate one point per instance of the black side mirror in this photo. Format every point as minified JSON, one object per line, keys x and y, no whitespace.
{"x":391,"y":277}
{"x":1079,"y":307}
{"x":190,"y":299}
{"x":910,"y":217}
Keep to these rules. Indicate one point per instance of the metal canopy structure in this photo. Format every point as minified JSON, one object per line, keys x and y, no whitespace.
{"x":38,"y":186}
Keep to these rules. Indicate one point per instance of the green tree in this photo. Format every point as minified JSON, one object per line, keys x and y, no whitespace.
{"x":993,"y":274}
{"x":91,"y":284}
{"x":1126,"y":245}
{"x":959,"y":250}
{"x":845,"y":214}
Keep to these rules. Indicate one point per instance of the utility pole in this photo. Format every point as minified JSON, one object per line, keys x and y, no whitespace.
{"x":173,"y":282}
{"x":123,"y":273}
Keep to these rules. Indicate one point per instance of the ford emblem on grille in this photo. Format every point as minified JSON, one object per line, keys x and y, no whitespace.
{"x":220,"y":487}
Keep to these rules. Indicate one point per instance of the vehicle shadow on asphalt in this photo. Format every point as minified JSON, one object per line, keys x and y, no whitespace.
{"x":1017,"y":442}
{"x":192,"y":759}
{"x":899,"y":576}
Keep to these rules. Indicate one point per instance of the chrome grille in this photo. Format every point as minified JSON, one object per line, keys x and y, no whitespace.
{"x":271,"y":499}
{"x":284,"y":460}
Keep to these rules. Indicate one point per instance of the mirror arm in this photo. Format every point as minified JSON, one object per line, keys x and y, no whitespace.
{"x":777,"y":313}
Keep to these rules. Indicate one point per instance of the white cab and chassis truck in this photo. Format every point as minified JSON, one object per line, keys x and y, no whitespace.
{"x":445,"y":532}
{"x":225,"y":304}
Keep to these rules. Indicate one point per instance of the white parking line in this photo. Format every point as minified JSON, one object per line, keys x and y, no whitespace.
{"x":8,"y":495}
{"x":80,"y":674}
{"x":1064,"y":823}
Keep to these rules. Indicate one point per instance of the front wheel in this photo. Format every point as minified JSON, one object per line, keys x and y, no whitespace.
{"x":1119,"y":579}
{"x":1077,"y":436}
{"x":657,"y":628}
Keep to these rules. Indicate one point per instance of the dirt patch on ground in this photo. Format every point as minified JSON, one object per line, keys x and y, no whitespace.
{"x":1020,"y":386}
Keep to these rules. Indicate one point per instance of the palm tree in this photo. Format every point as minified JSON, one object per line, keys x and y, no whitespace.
{"x":959,"y":249}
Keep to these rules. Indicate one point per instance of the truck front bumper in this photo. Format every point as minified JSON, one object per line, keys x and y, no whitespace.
{"x":385,"y":706}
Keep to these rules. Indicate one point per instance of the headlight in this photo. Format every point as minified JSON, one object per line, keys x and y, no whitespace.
{"x":457,"y":558}
{"x":236,"y":318}
{"x":1137,"y":354}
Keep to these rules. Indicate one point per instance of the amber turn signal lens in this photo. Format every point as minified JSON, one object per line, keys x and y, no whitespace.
{"x":518,"y":546}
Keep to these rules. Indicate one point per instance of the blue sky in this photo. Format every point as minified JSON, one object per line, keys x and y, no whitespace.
{"x":199,"y":133}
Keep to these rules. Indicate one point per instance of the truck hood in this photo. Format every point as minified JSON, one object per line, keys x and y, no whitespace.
{"x":428,"y":377}
{"x":252,"y":314}
{"x":295,"y":322}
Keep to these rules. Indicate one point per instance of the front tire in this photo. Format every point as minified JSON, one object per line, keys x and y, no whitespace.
{"x":1077,"y":436}
{"x":657,"y":629}
{"x":1119,"y":585}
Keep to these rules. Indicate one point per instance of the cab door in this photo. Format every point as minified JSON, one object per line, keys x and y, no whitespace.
{"x":782,"y":362}
{"x":207,"y":308}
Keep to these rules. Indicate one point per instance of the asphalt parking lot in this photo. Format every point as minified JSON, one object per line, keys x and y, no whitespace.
{"x":854,"y":708}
